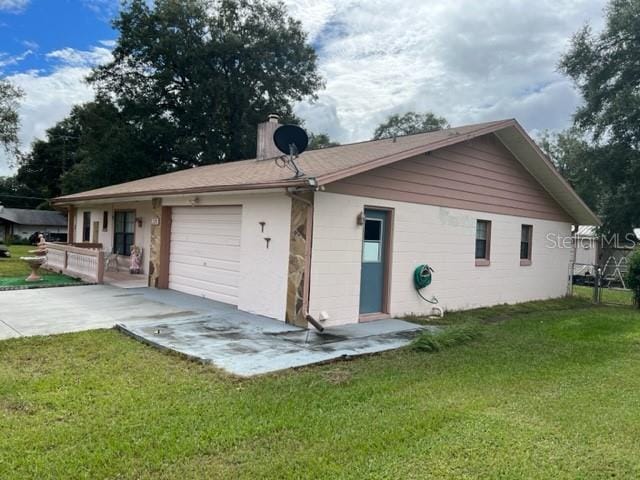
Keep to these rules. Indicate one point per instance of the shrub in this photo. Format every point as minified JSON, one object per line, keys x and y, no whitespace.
{"x":633,"y":276}
{"x":429,"y":341}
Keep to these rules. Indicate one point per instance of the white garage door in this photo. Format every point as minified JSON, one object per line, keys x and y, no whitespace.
{"x":205,"y":252}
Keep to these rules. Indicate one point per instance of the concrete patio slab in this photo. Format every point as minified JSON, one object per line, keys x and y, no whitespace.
{"x":247,"y":345}
{"x":46,"y":311}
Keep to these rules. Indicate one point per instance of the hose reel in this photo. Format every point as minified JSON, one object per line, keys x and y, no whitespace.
{"x":422,"y":277}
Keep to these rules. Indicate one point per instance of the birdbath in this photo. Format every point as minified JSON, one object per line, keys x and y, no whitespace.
{"x":35,"y":263}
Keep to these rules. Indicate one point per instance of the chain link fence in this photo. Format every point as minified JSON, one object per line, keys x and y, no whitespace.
{"x":602,"y":284}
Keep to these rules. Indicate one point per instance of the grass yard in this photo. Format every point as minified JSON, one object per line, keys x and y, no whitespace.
{"x":13,"y":271}
{"x":548,"y":390}
{"x":609,"y":295}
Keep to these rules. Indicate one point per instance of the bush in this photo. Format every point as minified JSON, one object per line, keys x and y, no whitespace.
{"x":451,"y":336}
{"x":633,"y":276}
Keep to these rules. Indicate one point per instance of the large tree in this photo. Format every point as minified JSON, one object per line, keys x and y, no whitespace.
{"x":93,"y":147}
{"x":9,"y":120}
{"x":577,"y":160}
{"x":409,"y":124}
{"x":606,"y":69}
{"x":14,"y":194}
{"x":197,"y":77}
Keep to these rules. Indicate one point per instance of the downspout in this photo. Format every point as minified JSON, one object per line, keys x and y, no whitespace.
{"x":307,"y":253}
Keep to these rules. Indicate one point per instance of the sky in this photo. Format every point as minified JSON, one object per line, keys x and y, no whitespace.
{"x":466,"y":60}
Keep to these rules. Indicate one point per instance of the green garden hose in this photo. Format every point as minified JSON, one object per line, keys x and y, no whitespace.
{"x":421,"y":279}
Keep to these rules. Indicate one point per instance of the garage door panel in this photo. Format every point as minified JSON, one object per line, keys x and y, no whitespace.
{"x":205,"y":292}
{"x":217,"y":227}
{"x":205,"y":252}
{"x":220,"y":210}
{"x":219,"y":263}
{"x":207,"y":274}
{"x":205,"y":239}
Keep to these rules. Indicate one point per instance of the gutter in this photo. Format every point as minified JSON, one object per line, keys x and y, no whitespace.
{"x":70,"y":199}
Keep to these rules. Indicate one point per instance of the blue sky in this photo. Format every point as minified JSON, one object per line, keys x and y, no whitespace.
{"x":466,"y":60}
{"x":31,"y":30}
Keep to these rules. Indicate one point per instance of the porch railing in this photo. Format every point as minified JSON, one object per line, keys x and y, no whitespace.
{"x":86,"y":263}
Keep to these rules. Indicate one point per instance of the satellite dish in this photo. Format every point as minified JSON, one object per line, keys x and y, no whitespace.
{"x":291,"y":139}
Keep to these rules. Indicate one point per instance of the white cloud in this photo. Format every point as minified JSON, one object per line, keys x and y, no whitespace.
{"x":469,"y":61}
{"x":6,"y":59}
{"x":49,"y":96}
{"x":466,"y":60}
{"x":13,"y":6}
{"x":85,"y":58}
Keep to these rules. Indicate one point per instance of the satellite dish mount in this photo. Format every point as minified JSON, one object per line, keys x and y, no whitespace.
{"x":291,"y":140}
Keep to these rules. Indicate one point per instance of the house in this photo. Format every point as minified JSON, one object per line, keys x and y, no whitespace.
{"x":21,"y":223}
{"x":480,"y":204}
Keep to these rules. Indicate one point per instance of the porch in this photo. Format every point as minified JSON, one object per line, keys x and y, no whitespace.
{"x":93,"y":264}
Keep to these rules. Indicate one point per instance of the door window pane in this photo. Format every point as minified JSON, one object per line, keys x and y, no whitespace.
{"x":124,"y":232}
{"x":373,"y":229}
{"x":372,"y":246}
{"x":371,"y":252}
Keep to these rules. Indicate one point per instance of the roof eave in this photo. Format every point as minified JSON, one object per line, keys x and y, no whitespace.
{"x":71,"y":199}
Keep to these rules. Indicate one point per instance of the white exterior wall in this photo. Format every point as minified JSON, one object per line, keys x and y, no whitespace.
{"x":25,"y":231}
{"x":263,"y":271}
{"x":445,"y":239}
{"x":142,"y":234}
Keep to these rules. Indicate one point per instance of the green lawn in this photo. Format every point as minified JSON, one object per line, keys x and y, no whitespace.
{"x":548,"y":390}
{"x":609,"y":295}
{"x":13,"y":271}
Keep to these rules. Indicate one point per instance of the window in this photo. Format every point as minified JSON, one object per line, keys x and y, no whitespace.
{"x":483,"y":242}
{"x":525,"y":244}
{"x":105,"y":221}
{"x":124,"y":232}
{"x":372,"y":248}
{"x":86,"y":226}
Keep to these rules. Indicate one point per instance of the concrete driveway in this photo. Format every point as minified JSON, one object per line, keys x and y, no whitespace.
{"x":241,"y":343}
{"x":46,"y":311}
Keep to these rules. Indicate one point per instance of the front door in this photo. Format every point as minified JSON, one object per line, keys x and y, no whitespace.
{"x":372,"y":275}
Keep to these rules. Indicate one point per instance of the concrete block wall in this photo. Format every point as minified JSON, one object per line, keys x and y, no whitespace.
{"x":445,"y":239}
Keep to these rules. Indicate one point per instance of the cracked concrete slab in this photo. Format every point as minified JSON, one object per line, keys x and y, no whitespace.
{"x":246,"y":345}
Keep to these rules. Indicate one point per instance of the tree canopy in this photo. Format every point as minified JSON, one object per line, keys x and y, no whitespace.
{"x":94,"y":146}
{"x":320,"y":140}
{"x":10,"y":96}
{"x":188,"y":85}
{"x":197,"y":77}
{"x":606,"y":70}
{"x":409,"y":124}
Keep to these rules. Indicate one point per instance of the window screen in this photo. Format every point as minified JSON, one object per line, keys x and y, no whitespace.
{"x":483,"y":230}
{"x":525,"y":242}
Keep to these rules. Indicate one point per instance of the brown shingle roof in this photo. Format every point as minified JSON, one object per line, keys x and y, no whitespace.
{"x":325,"y":165}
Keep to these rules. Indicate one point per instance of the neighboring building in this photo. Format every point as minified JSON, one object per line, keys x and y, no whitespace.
{"x":481,"y":204}
{"x":22,"y":223}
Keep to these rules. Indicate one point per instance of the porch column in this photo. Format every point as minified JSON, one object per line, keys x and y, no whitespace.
{"x":159,"y":250}
{"x":71,"y":223}
{"x":299,"y":258}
